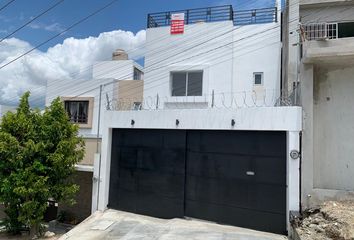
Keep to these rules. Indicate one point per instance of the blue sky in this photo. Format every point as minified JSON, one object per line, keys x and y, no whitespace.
{"x":125,"y":14}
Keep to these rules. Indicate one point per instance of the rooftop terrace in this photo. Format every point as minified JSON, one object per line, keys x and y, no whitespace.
{"x":215,"y":14}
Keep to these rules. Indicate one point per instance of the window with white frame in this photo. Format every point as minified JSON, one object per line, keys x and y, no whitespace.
{"x":187,"y":83}
{"x":258,"y":78}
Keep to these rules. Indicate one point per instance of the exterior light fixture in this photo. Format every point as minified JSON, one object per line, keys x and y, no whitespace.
{"x":233,"y":122}
{"x":132,"y":122}
{"x":177,"y":122}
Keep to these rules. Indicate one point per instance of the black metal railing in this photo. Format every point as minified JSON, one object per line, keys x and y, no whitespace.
{"x":209,"y":14}
{"x":255,"y":16}
{"x":215,"y":14}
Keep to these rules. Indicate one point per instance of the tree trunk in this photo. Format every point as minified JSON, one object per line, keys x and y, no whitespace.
{"x":34,"y":231}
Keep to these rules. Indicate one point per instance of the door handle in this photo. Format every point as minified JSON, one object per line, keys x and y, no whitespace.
{"x":250,"y":173}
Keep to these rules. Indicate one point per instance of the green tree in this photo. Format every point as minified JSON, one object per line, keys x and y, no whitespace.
{"x":38,"y":151}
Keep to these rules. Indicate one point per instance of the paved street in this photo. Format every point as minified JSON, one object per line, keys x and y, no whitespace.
{"x":126,"y":226}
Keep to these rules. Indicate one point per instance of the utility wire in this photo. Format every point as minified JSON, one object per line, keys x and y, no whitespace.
{"x":33,"y":19}
{"x":7,"y":4}
{"x":62,"y":32}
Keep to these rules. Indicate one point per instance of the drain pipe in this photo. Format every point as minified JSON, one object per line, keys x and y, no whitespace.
{"x":97,"y":160}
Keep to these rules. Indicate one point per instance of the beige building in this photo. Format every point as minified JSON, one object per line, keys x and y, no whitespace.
{"x":115,"y":84}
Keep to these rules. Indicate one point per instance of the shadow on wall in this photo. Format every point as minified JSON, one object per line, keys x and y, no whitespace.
{"x":82,"y":209}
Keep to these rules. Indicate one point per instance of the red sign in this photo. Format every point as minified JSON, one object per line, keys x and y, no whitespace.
{"x":177,"y":23}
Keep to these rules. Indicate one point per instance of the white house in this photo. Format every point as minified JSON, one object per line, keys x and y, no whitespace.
{"x":320,"y":59}
{"x":213,"y":139}
{"x":84,"y":101}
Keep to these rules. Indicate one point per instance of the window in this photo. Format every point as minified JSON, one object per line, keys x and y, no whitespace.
{"x":258,"y":78}
{"x":137,"y":74}
{"x":77,"y":111}
{"x":137,"y":106}
{"x":345,"y":29}
{"x":187,"y":83}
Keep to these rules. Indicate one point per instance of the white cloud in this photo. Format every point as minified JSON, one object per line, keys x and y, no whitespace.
{"x":54,"y":27}
{"x":60,"y":62}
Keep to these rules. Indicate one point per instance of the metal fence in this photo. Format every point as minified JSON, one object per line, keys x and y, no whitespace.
{"x":255,"y":16}
{"x":215,"y":14}
{"x":224,"y":100}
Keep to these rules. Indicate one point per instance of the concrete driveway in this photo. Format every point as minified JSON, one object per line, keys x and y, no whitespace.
{"x":113,"y":224}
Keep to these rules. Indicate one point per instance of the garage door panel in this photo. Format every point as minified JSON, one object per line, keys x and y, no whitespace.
{"x":124,"y":200}
{"x":242,"y":217}
{"x":161,"y":184}
{"x":236,"y":194}
{"x":129,"y":177}
{"x":227,"y":166}
{"x":249,"y":143}
{"x":160,"y":206}
{"x":230,"y":177}
{"x":220,"y":142}
{"x":147,"y":174}
{"x":217,"y":165}
{"x":270,"y":170}
{"x":162,"y":160}
{"x":272,"y":143}
{"x":128,"y":158}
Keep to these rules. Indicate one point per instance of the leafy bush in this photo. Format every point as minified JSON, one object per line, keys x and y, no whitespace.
{"x":38,"y":152}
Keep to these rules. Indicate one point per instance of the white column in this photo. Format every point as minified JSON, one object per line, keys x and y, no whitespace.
{"x":293,"y":173}
{"x":105,"y":169}
{"x":95,"y":182}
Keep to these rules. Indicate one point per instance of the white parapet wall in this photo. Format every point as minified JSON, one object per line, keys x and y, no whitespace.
{"x":288,"y":119}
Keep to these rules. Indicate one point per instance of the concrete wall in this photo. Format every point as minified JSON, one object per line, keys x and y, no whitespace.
{"x":90,"y":150}
{"x":228,"y":56}
{"x":333,"y":128}
{"x":82,"y":209}
{"x":129,"y":92}
{"x":333,"y":13}
{"x":327,"y":163}
{"x":326,"y":85}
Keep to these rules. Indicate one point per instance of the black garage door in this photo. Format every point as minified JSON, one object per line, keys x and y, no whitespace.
{"x":231,"y":177}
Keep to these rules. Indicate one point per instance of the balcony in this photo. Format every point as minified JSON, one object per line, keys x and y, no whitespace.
{"x":328,"y":42}
{"x":215,"y":14}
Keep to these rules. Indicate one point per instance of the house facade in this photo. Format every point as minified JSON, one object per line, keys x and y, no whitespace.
{"x":83,"y":101}
{"x":213,"y":138}
{"x":320,"y":60}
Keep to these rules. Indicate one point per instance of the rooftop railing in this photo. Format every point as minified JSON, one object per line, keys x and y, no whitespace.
{"x":255,"y":16}
{"x":215,"y":14}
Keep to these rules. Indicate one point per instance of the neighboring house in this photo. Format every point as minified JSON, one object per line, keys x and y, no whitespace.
{"x":321,"y":59}
{"x":83,"y":101}
{"x":213,"y":139}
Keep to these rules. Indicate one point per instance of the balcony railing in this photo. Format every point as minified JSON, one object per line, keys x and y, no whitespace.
{"x":215,"y":14}
{"x":319,"y":31}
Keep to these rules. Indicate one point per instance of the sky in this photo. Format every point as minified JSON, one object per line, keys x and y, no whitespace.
{"x":122,"y":25}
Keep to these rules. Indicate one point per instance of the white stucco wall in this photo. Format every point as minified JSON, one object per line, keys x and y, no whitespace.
{"x":227,"y":54}
{"x":118,"y":69}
